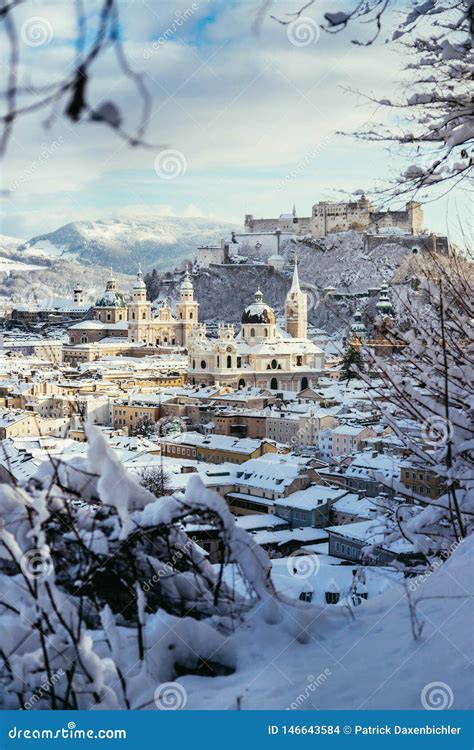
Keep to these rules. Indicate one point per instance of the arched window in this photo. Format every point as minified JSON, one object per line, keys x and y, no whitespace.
{"x":203,"y":364}
{"x":229,"y":361}
{"x":218,"y":361}
{"x":273,"y":384}
{"x":252,"y":332}
{"x":299,"y":360}
{"x":241,"y":383}
{"x":304,"y":383}
{"x":190,"y":316}
{"x":133,"y":315}
{"x":144,"y":316}
{"x":181,"y":316}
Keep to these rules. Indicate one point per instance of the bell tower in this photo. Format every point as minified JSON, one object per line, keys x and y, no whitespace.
{"x":296,"y":308}
{"x":187,"y":310}
{"x":139,"y":313}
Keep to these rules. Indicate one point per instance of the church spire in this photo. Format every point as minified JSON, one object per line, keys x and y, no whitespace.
{"x":295,"y":284}
{"x":296,"y":308}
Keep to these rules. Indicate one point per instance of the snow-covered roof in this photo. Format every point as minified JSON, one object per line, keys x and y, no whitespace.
{"x":97,"y":325}
{"x":312,"y":497}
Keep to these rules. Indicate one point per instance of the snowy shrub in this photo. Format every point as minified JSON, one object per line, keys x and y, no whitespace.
{"x":105,"y":596}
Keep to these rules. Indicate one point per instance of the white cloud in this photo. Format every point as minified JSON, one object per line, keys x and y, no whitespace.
{"x":245,"y":111}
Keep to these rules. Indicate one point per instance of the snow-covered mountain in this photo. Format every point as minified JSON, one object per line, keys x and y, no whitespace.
{"x":156,"y":242}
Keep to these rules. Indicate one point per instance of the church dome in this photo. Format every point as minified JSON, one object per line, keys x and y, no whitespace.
{"x":139,"y":284}
{"x":187,"y":284}
{"x":111,"y":296}
{"x":258,"y":311}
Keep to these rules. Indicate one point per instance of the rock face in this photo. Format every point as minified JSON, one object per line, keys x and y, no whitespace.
{"x":341,"y":261}
{"x":161,"y":242}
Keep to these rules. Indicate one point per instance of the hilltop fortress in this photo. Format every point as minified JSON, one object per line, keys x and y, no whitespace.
{"x":327,"y":218}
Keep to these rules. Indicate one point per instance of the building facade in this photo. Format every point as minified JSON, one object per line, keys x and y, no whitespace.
{"x":327,"y":217}
{"x":166,"y":328}
{"x":261,"y":355}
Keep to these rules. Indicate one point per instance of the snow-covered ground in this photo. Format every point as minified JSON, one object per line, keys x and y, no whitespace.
{"x":8,"y":264}
{"x":359,"y":658}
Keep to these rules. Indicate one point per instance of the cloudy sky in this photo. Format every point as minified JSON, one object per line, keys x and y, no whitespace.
{"x":241,"y":122}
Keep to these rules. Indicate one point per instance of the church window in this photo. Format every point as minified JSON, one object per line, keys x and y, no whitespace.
{"x":265,"y":331}
{"x":194,"y":364}
{"x":133,"y":315}
{"x":144,"y":316}
{"x":299,"y":360}
{"x":229,"y":361}
{"x":181,"y":316}
{"x":218,"y":361}
{"x":203,"y":364}
{"x":304,"y":383}
{"x":239,"y":361}
{"x":108,"y":316}
{"x":273,"y":384}
{"x":190,"y":316}
{"x":252,"y":332}
{"x":173,"y":341}
{"x":241,"y":383}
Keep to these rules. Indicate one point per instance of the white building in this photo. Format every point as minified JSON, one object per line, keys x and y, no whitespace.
{"x":262,"y":354}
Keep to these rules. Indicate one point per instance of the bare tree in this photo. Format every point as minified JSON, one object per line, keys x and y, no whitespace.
{"x":435,"y":115}
{"x":430,"y":381}
{"x":69,"y":93}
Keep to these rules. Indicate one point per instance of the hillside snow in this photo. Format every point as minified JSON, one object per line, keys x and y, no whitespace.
{"x":161,"y":242}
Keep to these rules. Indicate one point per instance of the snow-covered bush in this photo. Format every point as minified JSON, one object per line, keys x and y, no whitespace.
{"x":104,"y":594}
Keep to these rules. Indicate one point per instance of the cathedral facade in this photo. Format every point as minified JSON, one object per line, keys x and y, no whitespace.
{"x":261,"y":354}
{"x":133,"y":321}
{"x":166,"y":328}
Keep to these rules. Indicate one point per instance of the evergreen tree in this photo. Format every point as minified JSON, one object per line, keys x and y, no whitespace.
{"x":145,"y":427}
{"x":352,"y":362}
